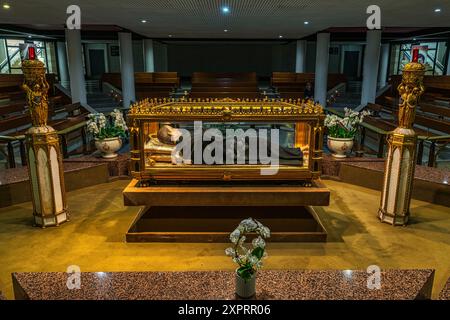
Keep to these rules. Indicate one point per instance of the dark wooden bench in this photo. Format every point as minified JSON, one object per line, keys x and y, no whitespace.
{"x":285,"y":79}
{"x":232,"y":85}
{"x":225,"y":89}
{"x":435,"y":110}
{"x":231,"y":95}
{"x":389,"y":125}
{"x":152,"y":94}
{"x":145,"y":79}
{"x":223,"y":83}
{"x":14,"y":127}
{"x":292,"y":95}
{"x":224,"y":76}
{"x":12,"y":110}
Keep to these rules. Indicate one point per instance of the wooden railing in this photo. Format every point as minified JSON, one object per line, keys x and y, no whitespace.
{"x":384,"y":127}
{"x":63,"y":134}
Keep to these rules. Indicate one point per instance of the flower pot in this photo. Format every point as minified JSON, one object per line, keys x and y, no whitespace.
{"x":108,"y":146}
{"x":245,"y":288}
{"x":340,"y":146}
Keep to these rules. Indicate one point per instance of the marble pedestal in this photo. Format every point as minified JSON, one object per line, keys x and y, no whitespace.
{"x":398,"y":177}
{"x":46,"y":177}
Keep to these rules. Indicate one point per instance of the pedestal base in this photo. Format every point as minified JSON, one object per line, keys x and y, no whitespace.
{"x":394,"y":220}
{"x":214,"y":224}
{"x":51,"y":221}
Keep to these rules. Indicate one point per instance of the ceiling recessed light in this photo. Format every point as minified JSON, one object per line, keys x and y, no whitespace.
{"x":144,"y":21}
{"x":414,"y":39}
{"x":29,"y":36}
{"x":437,"y":10}
{"x":170,"y":36}
{"x":226,"y":30}
{"x":6,"y":6}
{"x":280,"y":36}
{"x":305,"y":22}
{"x":225,"y":9}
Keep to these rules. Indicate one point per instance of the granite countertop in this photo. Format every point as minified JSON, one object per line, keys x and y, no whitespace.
{"x":219,"y":285}
{"x":329,"y":157}
{"x":421,"y":172}
{"x":445,"y":293}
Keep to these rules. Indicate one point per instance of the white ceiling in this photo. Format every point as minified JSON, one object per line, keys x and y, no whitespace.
{"x":247,"y":18}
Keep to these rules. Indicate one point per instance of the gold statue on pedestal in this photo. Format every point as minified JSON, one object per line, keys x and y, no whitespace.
{"x":44,"y":158}
{"x":36,"y":88}
{"x":410,"y":90}
{"x":401,"y":154}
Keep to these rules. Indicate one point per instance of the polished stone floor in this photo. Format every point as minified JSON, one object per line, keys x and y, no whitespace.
{"x":94,"y":239}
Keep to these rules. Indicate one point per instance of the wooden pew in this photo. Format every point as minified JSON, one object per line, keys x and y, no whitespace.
{"x":432,"y":123}
{"x":438,"y":111}
{"x":148,"y":84}
{"x":224,"y":76}
{"x":291,"y":84}
{"x":292,"y":95}
{"x":12,"y":110}
{"x":145,"y":79}
{"x":225,"y":89}
{"x":152,"y":94}
{"x":222,"y":95}
{"x":374,"y":109}
{"x":435,"y":86}
{"x":283,"y":78}
{"x":167,"y":78}
{"x":225,"y":85}
{"x":15,"y":126}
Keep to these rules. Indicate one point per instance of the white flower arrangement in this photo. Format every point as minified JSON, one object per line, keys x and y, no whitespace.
{"x":103,"y":127}
{"x":344,"y":127}
{"x":249,"y":260}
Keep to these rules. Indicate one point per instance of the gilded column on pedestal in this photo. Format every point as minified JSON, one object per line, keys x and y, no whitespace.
{"x":401,"y":154}
{"x":43,"y":152}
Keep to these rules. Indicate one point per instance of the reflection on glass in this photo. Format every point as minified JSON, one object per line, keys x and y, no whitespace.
{"x":238,"y":142}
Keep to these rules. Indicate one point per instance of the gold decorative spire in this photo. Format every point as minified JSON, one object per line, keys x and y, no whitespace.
{"x":36,"y":88}
{"x":410,"y":90}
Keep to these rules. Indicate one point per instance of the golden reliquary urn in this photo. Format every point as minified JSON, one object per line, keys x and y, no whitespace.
{"x":401,"y":154}
{"x":44,"y":158}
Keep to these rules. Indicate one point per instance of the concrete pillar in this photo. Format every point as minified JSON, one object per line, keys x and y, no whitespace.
{"x":300,"y":57}
{"x":382,"y":80}
{"x":321,"y":76}
{"x":127,"y":68}
{"x":370,"y":67}
{"x":62,"y":62}
{"x":448,"y":61}
{"x":76,"y":71}
{"x":149,"y":60}
{"x":164,"y":58}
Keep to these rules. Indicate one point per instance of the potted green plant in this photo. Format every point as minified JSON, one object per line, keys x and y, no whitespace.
{"x":341,"y":131}
{"x":249,"y":260}
{"x":108,"y":132}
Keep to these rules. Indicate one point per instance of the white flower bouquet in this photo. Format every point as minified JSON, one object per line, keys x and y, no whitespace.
{"x":110,"y":126}
{"x":249,"y":260}
{"x":344,"y":127}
